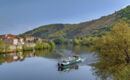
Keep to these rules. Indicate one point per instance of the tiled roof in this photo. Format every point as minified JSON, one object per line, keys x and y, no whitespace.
{"x":9,"y":36}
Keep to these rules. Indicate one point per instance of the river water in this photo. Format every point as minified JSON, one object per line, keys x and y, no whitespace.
{"x":42,"y":65}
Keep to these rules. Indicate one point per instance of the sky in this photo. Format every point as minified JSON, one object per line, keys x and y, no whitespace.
{"x":19,"y":16}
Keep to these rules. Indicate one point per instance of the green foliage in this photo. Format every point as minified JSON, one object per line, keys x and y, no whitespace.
{"x":124,"y":14}
{"x":22,"y":36}
{"x":26,"y":48}
{"x":101,"y":31}
{"x":41,"y":45}
{"x":76,"y":41}
{"x":115,"y":47}
{"x":85,"y":41}
{"x":50,"y":31}
{"x":61,"y":41}
{"x":52,"y":44}
{"x":1,"y":45}
{"x":114,"y":52}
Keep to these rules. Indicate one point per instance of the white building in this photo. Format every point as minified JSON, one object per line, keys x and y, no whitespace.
{"x":12,"y":40}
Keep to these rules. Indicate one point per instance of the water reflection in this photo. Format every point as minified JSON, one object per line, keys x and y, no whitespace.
{"x":68,"y":68}
{"x":45,"y":62}
{"x":11,"y":57}
{"x":60,"y":52}
{"x":111,"y":66}
{"x":111,"y":72}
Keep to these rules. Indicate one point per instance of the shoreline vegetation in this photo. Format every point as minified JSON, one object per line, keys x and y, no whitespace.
{"x":115,"y":40}
{"x":113,"y":50}
{"x":38,"y":46}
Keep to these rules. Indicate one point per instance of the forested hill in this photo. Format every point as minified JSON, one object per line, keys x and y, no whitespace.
{"x":90,"y":28}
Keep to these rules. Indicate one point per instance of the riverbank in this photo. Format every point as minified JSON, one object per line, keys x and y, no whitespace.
{"x":38,"y":46}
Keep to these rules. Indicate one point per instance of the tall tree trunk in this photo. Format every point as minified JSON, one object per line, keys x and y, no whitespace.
{"x":126,"y":53}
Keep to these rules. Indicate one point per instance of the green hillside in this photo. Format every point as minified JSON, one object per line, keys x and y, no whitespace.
{"x":48,"y":31}
{"x":93,"y":28}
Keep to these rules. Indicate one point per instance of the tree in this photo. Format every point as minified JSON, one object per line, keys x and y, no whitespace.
{"x":1,"y":45}
{"x":121,"y":34}
{"x":42,"y":45}
{"x":52,"y":44}
{"x":115,"y":45}
{"x":76,"y":41}
{"x":61,"y":41}
{"x":114,"y":52}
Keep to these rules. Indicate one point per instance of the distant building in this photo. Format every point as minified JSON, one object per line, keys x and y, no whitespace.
{"x":30,"y":39}
{"x":39,"y":39}
{"x":45,"y":40}
{"x":12,"y":40}
{"x":16,"y":42}
{"x":33,"y":39}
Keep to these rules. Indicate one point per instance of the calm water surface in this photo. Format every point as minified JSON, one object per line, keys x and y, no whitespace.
{"x":42,"y":65}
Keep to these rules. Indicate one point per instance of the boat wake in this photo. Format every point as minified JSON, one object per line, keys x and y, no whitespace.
{"x":83,"y":59}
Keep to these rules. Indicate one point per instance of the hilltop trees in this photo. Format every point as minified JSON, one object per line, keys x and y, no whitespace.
{"x":61,"y":41}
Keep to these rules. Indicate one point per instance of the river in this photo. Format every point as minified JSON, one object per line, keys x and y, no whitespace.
{"x":42,"y":65}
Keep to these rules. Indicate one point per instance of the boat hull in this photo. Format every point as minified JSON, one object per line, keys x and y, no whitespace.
{"x":72,"y":62}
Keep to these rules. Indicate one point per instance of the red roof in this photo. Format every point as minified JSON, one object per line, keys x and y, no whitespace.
{"x":9,"y":36}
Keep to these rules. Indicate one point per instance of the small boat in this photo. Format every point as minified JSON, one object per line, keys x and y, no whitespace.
{"x":69,"y":61}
